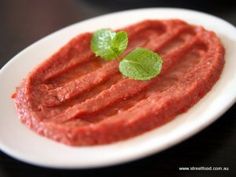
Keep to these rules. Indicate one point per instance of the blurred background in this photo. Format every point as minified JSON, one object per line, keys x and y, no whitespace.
{"x":23,"y":22}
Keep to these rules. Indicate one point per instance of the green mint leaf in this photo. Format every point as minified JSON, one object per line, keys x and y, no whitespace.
{"x":141,"y":64}
{"x":120,"y":42}
{"x":108,"y":44}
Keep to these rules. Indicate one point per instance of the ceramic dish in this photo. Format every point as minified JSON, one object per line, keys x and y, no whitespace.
{"x":20,"y":142}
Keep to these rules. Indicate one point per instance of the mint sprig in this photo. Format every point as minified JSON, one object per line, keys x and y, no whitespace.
{"x":139,"y":64}
{"x":108,"y":44}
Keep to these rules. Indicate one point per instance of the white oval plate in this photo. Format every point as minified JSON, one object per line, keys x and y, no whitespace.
{"x":21,"y":143}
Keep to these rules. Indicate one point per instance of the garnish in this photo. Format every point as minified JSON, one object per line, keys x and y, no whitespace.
{"x":139,"y":64}
{"x":108,"y":44}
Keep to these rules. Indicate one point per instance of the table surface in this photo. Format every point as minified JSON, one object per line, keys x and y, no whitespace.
{"x":23,"y":22}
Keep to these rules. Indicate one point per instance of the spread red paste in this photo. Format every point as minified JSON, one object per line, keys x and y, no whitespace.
{"x":78,"y":99}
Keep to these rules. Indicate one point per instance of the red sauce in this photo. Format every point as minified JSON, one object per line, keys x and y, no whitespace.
{"x":79,"y":99}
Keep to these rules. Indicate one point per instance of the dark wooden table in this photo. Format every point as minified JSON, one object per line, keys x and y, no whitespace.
{"x":23,"y":22}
